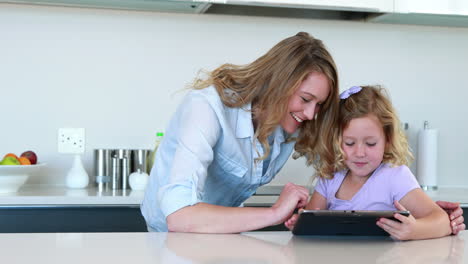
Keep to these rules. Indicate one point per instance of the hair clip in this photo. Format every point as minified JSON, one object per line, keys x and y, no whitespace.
{"x":347,"y":93}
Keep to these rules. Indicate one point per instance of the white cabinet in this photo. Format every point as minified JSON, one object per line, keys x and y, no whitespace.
{"x":434,"y":7}
{"x":175,"y":6}
{"x":419,"y":12}
{"x":452,"y":13}
{"x":342,"y":5}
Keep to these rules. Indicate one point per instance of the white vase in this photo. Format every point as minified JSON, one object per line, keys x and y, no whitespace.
{"x":77,"y":178}
{"x":138,"y":180}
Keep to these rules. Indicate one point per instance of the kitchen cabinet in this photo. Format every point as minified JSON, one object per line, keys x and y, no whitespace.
{"x":200,"y":6}
{"x":451,"y":13}
{"x":174,"y":6}
{"x":41,"y":208}
{"x":418,"y":12}
{"x":350,"y":5}
{"x":71,"y":218}
{"x":77,"y":219}
{"x":435,"y":7}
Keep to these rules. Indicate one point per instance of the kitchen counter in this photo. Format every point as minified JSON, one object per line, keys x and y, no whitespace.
{"x":253,"y":247}
{"x":60,"y":195}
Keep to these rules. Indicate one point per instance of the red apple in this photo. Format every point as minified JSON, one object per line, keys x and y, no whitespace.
{"x":30,"y":155}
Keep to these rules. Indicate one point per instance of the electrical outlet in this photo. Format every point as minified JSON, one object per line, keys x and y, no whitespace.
{"x":71,"y":140}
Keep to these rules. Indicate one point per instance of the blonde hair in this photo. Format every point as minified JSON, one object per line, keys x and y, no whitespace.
{"x":372,"y":100}
{"x":270,"y":81}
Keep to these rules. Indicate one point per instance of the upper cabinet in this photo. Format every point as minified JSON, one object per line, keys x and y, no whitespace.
{"x":420,"y":12}
{"x":437,"y":7}
{"x":175,"y":6}
{"x":349,"y":5}
{"x":316,"y":9}
{"x":452,"y":13}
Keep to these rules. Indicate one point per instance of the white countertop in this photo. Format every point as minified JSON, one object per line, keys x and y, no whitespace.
{"x":254,"y":247}
{"x":60,"y":195}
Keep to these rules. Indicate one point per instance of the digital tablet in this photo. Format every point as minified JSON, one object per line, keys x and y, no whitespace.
{"x":336,"y":223}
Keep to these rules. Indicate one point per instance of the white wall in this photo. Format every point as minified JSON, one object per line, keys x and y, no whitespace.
{"x":117,"y":73}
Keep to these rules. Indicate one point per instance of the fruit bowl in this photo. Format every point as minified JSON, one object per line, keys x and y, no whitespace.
{"x":12,"y":177}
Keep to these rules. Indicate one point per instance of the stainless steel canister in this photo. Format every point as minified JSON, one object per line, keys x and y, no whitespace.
{"x":102,"y":167}
{"x":125,"y":156}
{"x":140,"y":160}
{"x":115,"y":182}
{"x":125,"y":165}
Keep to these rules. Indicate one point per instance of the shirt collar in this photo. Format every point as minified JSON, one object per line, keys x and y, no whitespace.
{"x":278,"y":135}
{"x":244,"y":126}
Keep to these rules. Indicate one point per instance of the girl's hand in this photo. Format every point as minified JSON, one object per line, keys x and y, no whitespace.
{"x":291,"y":222}
{"x":292,"y":197}
{"x":400,"y":231}
{"x":456,"y":215}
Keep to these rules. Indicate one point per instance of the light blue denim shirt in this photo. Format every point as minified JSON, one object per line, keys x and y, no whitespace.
{"x":208,"y":155}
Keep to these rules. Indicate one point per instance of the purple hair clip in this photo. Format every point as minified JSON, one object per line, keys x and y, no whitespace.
{"x":347,"y":93}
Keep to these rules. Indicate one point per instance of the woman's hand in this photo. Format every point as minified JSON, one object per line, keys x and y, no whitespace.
{"x":292,"y":196}
{"x":291,"y":222}
{"x":400,"y":231}
{"x":455,"y":214}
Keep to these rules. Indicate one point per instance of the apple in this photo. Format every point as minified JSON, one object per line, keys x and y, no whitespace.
{"x":30,"y":155}
{"x":10,"y":161}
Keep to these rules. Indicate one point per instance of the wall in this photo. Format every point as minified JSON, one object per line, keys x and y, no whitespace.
{"x":119,"y":75}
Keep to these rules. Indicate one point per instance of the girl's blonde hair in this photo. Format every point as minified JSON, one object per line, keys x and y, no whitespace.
{"x":372,"y":100}
{"x":270,"y":81}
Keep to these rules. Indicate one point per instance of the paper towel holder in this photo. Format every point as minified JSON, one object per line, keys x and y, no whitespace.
{"x":428,"y":184}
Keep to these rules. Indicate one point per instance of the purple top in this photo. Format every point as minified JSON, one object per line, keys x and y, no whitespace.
{"x":385,"y":185}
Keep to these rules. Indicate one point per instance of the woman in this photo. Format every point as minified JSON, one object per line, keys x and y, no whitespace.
{"x":234,"y":131}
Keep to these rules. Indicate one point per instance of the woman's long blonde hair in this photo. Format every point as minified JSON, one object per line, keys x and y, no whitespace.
{"x":270,"y":81}
{"x":373,"y":100}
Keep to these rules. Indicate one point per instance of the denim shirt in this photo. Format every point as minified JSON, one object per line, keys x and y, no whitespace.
{"x":208,"y":155}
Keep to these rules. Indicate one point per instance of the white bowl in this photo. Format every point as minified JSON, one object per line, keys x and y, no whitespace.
{"x":12,"y":177}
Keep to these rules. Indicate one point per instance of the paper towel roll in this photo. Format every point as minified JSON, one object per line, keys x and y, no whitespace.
{"x":427,"y":158}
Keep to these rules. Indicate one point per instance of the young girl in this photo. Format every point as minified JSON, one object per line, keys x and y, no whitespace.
{"x":371,"y":169}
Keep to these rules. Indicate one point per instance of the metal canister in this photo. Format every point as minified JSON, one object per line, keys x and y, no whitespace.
{"x":140,"y":160}
{"x":125,"y":157}
{"x":102,"y":167}
{"x":116,"y":178}
{"x":125,"y":166}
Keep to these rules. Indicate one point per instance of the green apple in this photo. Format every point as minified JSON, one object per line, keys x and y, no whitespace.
{"x":10,"y":161}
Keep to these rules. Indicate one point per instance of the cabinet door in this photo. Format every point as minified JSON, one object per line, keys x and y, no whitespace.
{"x":172,"y":6}
{"x":51,"y":219}
{"x":343,"y":5}
{"x":436,"y":7}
